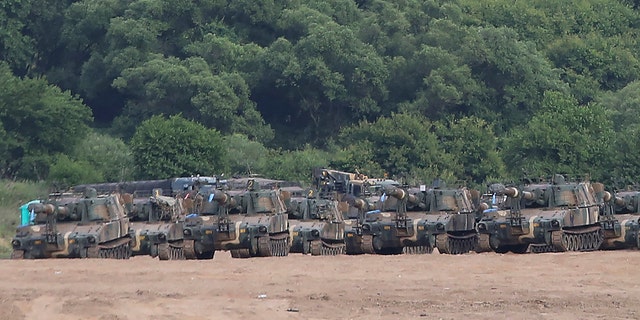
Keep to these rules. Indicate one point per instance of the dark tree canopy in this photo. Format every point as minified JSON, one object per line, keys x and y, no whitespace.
{"x":174,"y":146}
{"x":468,"y":90}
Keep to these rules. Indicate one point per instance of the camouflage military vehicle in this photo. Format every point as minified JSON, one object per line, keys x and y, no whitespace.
{"x":208,"y":206}
{"x":239,"y":183}
{"x":346,"y":187}
{"x":542,"y":217}
{"x":170,"y":187}
{"x":450,"y":220}
{"x":249,"y":223}
{"x":156,"y":222}
{"x":624,"y":207}
{"x":75,"y":226}
{"x":627,"y":202}
{"x":316,"y":225}
{"x":384,"y":226}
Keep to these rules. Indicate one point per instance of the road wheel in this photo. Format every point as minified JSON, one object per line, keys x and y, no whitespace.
{"x":163,"y":251}
{"x":17,"y":254}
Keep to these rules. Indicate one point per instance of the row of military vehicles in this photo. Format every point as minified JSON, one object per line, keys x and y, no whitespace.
{"x":342,"y":213}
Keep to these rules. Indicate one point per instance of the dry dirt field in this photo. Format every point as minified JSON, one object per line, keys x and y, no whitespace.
{"x":595,"y":285}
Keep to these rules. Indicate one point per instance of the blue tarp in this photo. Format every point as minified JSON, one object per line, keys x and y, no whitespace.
{"x":27,"y":217}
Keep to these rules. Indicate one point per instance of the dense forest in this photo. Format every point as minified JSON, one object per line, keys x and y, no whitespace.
{"x":113,"y":90}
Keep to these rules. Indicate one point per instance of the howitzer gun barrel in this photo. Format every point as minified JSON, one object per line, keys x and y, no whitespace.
{"x":500,"y":190}
{"x":401,"y":194}
{"x":224,"y":199}
{"x":511,"y":192}
{"x":362,"y":204}
{"x":528,"y":195}
{"x":48,"y":209}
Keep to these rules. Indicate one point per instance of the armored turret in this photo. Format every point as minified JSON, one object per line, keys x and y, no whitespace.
{"x":627,"y":202}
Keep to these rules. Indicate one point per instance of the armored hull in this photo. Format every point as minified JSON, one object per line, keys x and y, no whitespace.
{"x":415,"y":220}
{"x":199,"y":235}
{"x":626,"y":235}
{"x":157,"y":227}
{"x":249,"y":223}
{"x":72,"y":226}
{"x":382,"y":233}
{"x":158,"y":239}
{"x":451,"y":233}
{"x":253,"y":236}
{"x":317,"y":237}
{"x":561,"y":217}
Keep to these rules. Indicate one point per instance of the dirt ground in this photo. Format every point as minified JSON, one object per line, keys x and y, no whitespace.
{"x":595,"y":285}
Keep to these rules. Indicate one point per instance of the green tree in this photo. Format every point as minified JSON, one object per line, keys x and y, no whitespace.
{"x":402,"y":145}
{"x":40,"y":121}
{"x":97,"y":158}
{"x":563,"y":137}
{"x":624,"y":166}
{"x":174,"y":146}
{"x":66,"y":172}
{"x":16,"y":46}
{"x":171,"y":86}
{"x":514,"y":72}
{"x":624,"y":106}
{"x":295,"y":165}
{"x":474,"y":145}
{"x":107,"y":155}
{"x":320,"y":81}
{"x":245,"y":156}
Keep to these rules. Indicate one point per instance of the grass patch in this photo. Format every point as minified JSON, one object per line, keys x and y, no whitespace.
{"x":13,"y":194}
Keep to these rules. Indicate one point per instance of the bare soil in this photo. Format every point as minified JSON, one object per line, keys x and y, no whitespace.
{"x":593,"y":285}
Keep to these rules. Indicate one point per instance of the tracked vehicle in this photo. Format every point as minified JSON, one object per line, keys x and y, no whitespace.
{"x":249,"y":223}
{"x":75,"y":226}
{"x":207,"y":208}
{"x":316,"y":225}
{"x":450,"y":221}
{"x":625,"y":208}
{"x":384,"y":226}
{"x":156,"y":222}
{"x":169,"y":187}
{"x":554,"y":216}
{"x":346,"y":187}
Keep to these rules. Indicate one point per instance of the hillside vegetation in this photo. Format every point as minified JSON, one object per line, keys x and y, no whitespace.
{"x":473,"y":91}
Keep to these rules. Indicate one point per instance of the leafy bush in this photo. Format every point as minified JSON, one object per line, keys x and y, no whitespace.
{"x":174,"y":146}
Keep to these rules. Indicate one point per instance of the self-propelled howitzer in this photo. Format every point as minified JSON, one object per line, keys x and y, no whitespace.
{"x":450,"y":219}
{"x":542,"y":217}
{"x":256,"y":225}
{"x":384,"y":226}
{"x":316,"y":225}
{"x":200,"y":227}
{"x":156,"y":222}
{"x":75,"y":226}
{"x":625,"y":209}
